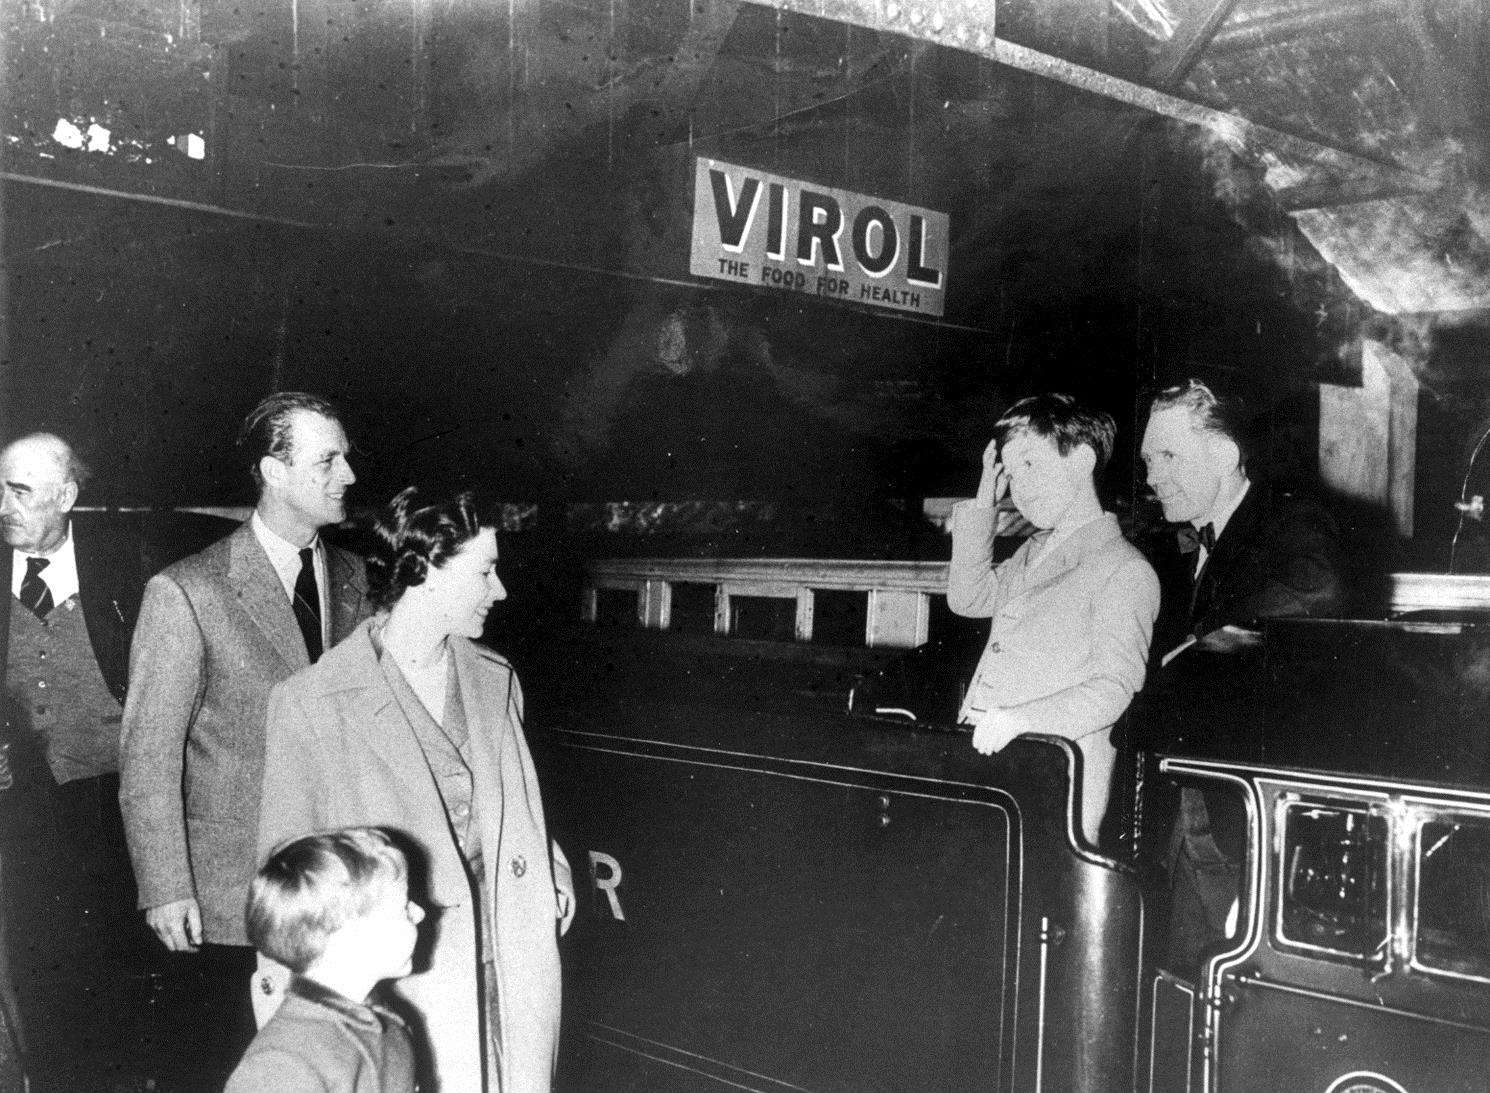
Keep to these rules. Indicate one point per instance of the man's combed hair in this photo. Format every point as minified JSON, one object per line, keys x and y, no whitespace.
{"x":1223,"y":414}
{"x":1062,"y":419}
{"x":414,"y":532}
{"x":73,"y":467}
{"x":267,"y":430}
{"x":314,"y":885}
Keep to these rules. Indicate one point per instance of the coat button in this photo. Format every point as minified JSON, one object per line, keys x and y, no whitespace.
{"x":519,"y":866}
{"x":994,"y":648}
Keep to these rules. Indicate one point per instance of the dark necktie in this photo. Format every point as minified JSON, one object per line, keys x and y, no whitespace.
{"x":34,"y":591}
{"x":307,"y":604}
{"x":1193,"y":538}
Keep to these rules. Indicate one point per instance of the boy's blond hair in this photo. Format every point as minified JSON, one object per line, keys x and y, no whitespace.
{"x":314,"y":885}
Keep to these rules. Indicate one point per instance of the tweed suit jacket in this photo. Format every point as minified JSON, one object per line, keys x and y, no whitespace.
{"x":216,"y":633}
{"x":1070,"y":634}
{"x":341,"y":753}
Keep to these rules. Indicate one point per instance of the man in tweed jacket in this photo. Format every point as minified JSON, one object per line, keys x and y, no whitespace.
{"x":216,"y":632}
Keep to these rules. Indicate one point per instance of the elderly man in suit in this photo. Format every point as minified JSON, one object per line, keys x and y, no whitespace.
{"x":217,"y":631}
{"x":1073,"y":609}
{"x":1247,"y":553}
{"x":75,"y":582}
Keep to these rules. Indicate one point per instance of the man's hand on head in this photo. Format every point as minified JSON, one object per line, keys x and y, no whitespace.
{"x":178,"y":924}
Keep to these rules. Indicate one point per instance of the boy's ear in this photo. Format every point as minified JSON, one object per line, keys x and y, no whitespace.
{"x":1084,"y":458}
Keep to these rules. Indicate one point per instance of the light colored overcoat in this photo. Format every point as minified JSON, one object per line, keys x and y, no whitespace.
{"x":216,"y":632}
{"x":340,"y":752}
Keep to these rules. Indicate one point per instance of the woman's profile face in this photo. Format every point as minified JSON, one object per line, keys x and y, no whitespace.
{"x":459,"y":593}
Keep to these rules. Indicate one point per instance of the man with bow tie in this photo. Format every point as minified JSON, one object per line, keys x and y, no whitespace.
{"x":217,"y":631}
{"x":1072,"y":610}
{"x":1246,"y":553}
{"x":75,"y":582}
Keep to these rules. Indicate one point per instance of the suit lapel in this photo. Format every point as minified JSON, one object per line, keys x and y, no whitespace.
{"x":5,"y":565}
{"x":1237,"y":531}
{"x":486,"y":697}
{"x":110,"y":579}
{"x":479,"y":694}
{"x":346,"y":593}
{"x":262,"y":597}
{"x":376,"y":714}
{"x":1068,"y":555}
{"x":373,"y":712}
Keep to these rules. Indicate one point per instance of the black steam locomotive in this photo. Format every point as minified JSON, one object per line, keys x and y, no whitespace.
{"x":801,"y":876}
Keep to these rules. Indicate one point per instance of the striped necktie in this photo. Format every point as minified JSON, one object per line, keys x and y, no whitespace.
{"x":35,"y":593}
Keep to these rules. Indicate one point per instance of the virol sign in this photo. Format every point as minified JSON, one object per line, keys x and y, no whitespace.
{"x":755,"y":228}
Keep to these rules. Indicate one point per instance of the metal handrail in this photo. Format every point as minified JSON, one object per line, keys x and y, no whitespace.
{"x":897,"y":612}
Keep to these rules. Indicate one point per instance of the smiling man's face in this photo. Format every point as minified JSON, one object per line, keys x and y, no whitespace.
{"x":311,"y":489}
{"x":1186,"y":465}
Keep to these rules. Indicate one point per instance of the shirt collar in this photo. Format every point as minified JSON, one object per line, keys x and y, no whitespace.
{"x":60,"y":575}
{"x":1223,"y":516}
{"x":1058,"y":536}
{"x":357,"y":1013}
{"x":283,"y":554}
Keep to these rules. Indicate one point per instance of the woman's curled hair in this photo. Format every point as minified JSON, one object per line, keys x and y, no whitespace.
{"x":414,"y":531}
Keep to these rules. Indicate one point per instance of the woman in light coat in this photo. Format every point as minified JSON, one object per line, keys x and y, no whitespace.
{"x":410,"y":725}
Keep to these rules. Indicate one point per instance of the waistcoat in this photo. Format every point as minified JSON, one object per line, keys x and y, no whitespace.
{"x":58,"y":696}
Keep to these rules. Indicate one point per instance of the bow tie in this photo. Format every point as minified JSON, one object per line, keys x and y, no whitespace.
{"x":1193,"y":538}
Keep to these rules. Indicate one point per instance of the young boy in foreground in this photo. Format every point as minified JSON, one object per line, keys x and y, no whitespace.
{"x":333,"y":908}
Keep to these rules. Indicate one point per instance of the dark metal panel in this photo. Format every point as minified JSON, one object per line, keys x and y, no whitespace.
{"x":783,"y":923}
{"x":823,"y":902}
{"x":1274,"y":1039}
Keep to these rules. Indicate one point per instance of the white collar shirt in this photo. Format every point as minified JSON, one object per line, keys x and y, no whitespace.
{"x":1058,"y":536}
{"x":284,"y":556}
{"x":60,"y":575}
{"x":1219,"y":521}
